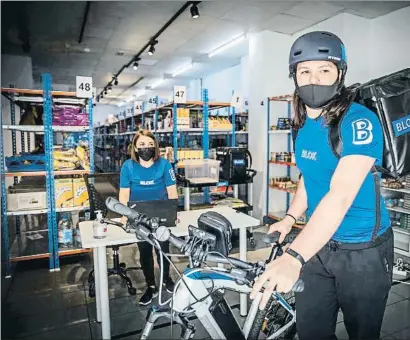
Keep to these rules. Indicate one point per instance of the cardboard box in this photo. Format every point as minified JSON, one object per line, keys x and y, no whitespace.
{"x":27,"y":201}
{"x":80,"y":193}
{"x":64,"y":194}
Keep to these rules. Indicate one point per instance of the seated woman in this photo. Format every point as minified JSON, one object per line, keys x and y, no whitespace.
{"x":147,"y":176}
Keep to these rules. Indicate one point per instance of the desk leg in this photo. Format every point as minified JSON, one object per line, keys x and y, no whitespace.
{"x":97,"y":283}
{"x":105,"y":303}
{"x":242,"y":256}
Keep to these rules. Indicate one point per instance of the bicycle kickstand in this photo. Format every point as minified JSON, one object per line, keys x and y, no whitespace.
{"x":156,"y":312}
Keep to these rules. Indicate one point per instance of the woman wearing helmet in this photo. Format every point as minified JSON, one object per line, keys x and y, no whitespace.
{"x":344,"y":254}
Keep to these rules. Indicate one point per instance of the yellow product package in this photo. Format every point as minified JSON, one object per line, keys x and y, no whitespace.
{"x":80,"y":193}
{"x":64,"y":193}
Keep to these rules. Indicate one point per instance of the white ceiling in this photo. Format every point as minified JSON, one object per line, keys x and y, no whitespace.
{"x":126,"y":26}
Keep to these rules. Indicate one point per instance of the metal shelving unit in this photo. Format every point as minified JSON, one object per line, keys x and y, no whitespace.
{"x":39,"y":243}
{"x":275,"y":216}
{"x":171,"y":136}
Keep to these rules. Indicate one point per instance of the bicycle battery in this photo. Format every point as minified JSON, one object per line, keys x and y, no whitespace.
{"x":218,"y":225}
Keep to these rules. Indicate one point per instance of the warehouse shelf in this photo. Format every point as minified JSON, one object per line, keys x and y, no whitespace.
{"x":282,"y":130}
{"x":290,"y":191}
{"x":39,"y":128}
{"x":402,"y":231}
{"x":403,"y":191}
{"x":27,"y":247}
{"x":282,"y":163}
{"x":279,"y":131}
{"x":44,"y":173}
{"x":399,"y":209}
{"x":24,"y":247}
{"x":27,"y":212}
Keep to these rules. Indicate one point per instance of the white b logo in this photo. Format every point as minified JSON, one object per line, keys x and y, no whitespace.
{"x":362,"y":132}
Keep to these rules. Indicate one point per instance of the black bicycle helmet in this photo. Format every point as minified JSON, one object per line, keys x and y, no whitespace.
{"x":318,"y":45}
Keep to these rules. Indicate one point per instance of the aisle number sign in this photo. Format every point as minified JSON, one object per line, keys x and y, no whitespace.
{"x":138,"y":107}
{"x":179,"y":94}
{"x":237,"y":101}
{"x":84,"y":87}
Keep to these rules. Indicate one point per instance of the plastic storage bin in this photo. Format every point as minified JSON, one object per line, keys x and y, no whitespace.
{"x":202,"y":171}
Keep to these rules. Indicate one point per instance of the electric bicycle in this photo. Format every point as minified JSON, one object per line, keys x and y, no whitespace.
{"x":201,"y":288}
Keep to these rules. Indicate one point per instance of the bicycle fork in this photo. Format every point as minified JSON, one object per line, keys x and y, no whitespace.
{"x":155,"y":313}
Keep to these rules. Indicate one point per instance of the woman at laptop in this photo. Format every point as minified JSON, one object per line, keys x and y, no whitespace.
{"x":147,"y":177}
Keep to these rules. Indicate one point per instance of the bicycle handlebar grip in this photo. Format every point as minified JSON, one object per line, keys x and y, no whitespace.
{"x":175,"y":241}
{"x":299,"y":286}
{"x":116,"y":206}
{"x":289,"y":238}
{"x":220,"y":259}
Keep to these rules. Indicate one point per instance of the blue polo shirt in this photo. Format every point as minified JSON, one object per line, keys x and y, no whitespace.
{"x":361,"y":134}
{"x":147,"y":184}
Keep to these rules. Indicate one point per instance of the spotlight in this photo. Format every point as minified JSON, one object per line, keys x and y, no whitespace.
{"x":102,"y":95}
{"x":105,"y":92}
{"x":135,"y":66}
{"x":116,"y":82}
{"x":109,"y":88}
{"x":194,"y":11}
{"x":98,"y":98}
{"x":151,"y":50}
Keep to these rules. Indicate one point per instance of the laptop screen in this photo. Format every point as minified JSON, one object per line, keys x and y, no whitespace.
{"x":164,"y":209}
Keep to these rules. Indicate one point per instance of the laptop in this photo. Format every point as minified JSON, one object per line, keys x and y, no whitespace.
{"x":164,"y":209}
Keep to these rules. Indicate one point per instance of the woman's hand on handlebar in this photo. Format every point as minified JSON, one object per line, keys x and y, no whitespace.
{"x":280,"y":275}
{"x":283,"y":227}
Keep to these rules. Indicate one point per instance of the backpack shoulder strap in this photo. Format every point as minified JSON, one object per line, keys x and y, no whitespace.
{"x":294,"y":136}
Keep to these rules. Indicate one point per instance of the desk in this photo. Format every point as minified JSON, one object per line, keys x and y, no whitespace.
{"x":117,"y":236}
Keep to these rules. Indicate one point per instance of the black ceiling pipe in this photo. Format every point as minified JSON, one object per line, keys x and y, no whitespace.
{"x":152,"y":39}
{"x":85,"y":17}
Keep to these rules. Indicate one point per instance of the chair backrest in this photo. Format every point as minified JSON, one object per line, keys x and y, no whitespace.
{"x":99,"y":187}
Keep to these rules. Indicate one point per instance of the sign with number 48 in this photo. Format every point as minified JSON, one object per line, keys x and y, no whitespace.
{"x":84,"y":87}
{"x":180,"y":94}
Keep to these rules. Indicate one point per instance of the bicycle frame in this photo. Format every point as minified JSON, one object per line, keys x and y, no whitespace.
{"x":212,"y":311}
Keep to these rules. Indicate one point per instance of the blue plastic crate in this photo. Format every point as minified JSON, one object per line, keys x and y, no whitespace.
{"x":26,"y":163}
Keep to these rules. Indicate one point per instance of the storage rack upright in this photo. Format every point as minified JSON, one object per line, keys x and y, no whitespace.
{"x":45,"y":96}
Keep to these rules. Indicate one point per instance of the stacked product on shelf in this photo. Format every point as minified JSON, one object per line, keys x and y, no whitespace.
{"x":67,"y":115}
{"x":283,"y":183}
{"x":285,"y":157}
{"x":28,"y":194}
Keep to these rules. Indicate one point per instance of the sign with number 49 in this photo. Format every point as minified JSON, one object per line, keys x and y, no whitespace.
{"x":180,"y":94}
{"x":84,"y":87}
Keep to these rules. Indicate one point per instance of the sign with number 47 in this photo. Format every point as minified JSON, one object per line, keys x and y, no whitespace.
{"x":137,"y":107}
{"x":84,"y":87}
{"x":179,"y":94}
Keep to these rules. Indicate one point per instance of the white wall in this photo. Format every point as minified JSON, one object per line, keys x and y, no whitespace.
{"x":101,"y":112}
{"x":390,"y":47}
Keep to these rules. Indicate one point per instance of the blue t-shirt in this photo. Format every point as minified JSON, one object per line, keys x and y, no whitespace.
{"x":361,"y":134}
{"x":147,"y":184}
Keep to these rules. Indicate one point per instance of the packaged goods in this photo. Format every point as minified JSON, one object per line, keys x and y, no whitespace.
{"x":80,"y":193}
{"x":64,"y":193}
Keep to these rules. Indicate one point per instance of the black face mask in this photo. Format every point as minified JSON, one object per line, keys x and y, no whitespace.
{"x":146,"y":153}
{"x":317,"y":96}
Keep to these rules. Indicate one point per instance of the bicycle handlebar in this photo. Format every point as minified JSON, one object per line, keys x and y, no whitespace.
{"x":162,"y":233}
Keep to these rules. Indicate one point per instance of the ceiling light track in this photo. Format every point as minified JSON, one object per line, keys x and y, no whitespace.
{"x":151,"y":43}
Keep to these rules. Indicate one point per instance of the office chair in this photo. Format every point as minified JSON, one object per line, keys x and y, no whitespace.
{"x":97,"y":202}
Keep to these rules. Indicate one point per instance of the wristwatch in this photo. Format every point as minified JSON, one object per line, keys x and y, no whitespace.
{"x":296,"y":255}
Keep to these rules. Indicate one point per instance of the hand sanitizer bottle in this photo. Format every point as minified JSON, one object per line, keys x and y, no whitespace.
{"x":99,"y":228}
